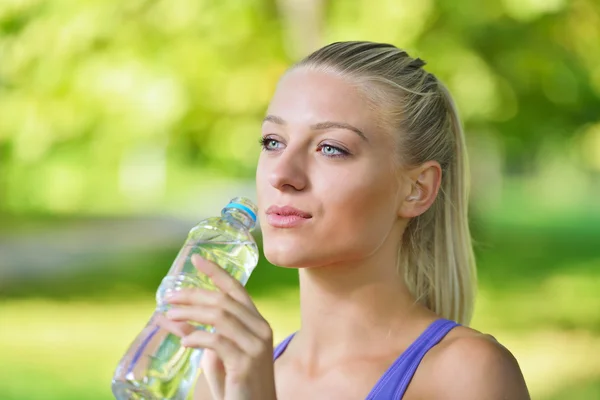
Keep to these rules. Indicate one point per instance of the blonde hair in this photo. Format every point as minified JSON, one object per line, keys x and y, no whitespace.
{"x":436,"y":253}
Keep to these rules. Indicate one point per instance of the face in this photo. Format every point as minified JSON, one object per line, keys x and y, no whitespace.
{"x":323,"y":154}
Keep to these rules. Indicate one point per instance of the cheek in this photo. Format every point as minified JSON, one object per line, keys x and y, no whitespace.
{"x":359,"y":211}
{"x":261,"y":184}
{"x":359,"y":196}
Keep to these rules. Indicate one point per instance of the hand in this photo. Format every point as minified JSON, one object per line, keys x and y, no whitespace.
{"x":238,"y":355}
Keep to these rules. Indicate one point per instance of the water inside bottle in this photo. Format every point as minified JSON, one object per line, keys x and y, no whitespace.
{"x":160,"y":367}
{"x":237,"y":258}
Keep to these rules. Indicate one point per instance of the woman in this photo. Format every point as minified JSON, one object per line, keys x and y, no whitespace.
{"x":362,"y":187}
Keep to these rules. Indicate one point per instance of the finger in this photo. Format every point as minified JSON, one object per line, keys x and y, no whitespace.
{"x":214,"y":371}
{"x":224,"y":323}
{"x":195,"y":296}
{"x":177,"y":328}
{"x":223,"y":280}
{"x":217,"y":300}
{"x":225,"y":349}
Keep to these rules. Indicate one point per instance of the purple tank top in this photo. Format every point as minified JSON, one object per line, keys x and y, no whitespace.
{"x":394,"y":381}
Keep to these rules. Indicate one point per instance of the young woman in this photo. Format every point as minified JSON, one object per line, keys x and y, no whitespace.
{"x":362,"y":186}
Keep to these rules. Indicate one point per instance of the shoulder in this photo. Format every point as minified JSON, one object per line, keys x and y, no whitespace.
{"x":468,"y":364}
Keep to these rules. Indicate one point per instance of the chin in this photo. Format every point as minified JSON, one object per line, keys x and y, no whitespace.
{"x":287,"y":258}
{"x":298,"y":255}
{"x":289,"y":252}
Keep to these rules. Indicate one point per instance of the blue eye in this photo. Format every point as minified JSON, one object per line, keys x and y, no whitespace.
{"x":268,"y":144}
{"x":332,"y":151}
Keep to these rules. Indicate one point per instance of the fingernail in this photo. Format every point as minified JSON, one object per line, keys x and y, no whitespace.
{"x":184,"y":341}
{"x":171,"y":295}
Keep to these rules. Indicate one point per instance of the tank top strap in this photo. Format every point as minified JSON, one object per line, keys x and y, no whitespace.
{"x":280,"y":348}
{"x":394,"y":382}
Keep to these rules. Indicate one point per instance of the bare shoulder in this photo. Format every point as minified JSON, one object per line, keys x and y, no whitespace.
{"x":468,"y":364}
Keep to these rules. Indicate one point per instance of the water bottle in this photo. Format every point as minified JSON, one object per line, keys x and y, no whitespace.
{"x":156,"y":366}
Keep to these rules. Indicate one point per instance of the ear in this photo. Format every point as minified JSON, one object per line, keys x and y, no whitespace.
{"x":422,"y":186}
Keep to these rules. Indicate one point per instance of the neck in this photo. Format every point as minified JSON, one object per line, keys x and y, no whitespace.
{"x":361,"y":304}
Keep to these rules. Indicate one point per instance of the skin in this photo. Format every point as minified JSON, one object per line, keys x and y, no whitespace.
{"x":357,"y":316}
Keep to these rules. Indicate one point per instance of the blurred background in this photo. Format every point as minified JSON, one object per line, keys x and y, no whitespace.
{"x":123,"y":123}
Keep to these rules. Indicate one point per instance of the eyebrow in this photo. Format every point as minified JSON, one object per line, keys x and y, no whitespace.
{"x":320,"y":126}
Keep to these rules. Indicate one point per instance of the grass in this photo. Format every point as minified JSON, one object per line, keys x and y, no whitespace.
{"x":68,"y":350}
{"x":55,"y":350}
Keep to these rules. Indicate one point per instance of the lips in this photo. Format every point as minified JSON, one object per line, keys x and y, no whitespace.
{"x":286,"y":211}
{"x":286,"y":217}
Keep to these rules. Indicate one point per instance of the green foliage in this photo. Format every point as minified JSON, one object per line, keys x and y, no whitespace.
{"x":109,"y":100}
{"x":99,"y":96}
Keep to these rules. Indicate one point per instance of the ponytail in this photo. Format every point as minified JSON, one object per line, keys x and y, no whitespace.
{"x":436,"y":255}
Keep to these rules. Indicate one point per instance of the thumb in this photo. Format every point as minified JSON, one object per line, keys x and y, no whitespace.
{"x":214,"y":372}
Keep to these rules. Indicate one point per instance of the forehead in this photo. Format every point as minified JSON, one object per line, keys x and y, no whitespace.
{"x":306,"y":96}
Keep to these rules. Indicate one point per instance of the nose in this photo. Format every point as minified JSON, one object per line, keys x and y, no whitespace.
{"x":289,"y":172}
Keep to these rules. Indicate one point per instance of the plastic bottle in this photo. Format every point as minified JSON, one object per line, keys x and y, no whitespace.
{"x":156,"y":366}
